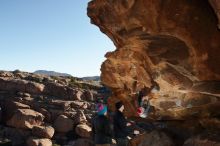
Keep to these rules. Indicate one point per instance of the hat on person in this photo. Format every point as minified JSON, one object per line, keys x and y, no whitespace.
{"x":102,"y":109}
{"x":118,"y":105}
{"x":140,"y":110}
{"x":155,"y":88}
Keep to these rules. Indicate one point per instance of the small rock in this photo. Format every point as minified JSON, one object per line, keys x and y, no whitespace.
{"x":22,"y":94}
{"x":83,"y":130}
{"x":79,"y":105}
{"x":80,"y":117}
{"x":63,"y":124}
{"x":78,"y":95}
{"x":88,"y":96}
{"x":43,"y":131}
{"x":46,"y":113}
{"x":38,"y":142}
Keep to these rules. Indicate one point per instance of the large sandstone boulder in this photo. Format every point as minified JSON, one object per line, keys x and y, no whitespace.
{"x":63,"y":124}
{"x":210,"y":123}
{"x":21,"y":85}
{"x":59,"y":90}
{"x":62,"y":104}
{"x":38,"y":142}
{"x":83,"y":130}
{"x":35,"y":88}
{"x":156,"y":138}
{"x":46,"y":114}
{"x":10,"y":106}
{"x":172,"y":44}
{"x":43,"y":131}
{"x":216,"y":6}
{"x":55,"y":89}
{"x":202,"y":141}
{"x":88,"y":95}
{"x":26,"y":119}
{"x":79,"y":104}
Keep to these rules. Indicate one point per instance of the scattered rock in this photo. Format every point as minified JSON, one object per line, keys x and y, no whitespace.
{"x":35,"y":88}
{"x":21,"y":85}
{"x":56,"y":89}
{"x":78,"y":95}
{"x":22,"y":94}
{"x":38,"y":142}
{"x":46,"y":114}
{"x":79,"y":105}
{"x":83,"y":130}
{"x":61,"y":103}
{"x":43,"y":131}
{"x":80,"y":117}
{"x":29,"y":100}
{"x":25,"y":118}
{"x":88,"y":96}
{"x":63,"y":124}
{"x":10,"y":106}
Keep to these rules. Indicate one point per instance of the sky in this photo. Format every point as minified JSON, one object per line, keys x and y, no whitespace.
{"x":54,"y":35}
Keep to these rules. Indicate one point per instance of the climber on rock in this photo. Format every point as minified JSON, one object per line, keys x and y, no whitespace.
{"x":121,"y":126}
{"x":143,"y":98}
{"x":102,"y":130}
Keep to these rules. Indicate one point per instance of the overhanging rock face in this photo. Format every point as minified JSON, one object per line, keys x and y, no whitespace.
{"x":216,"y":6}
{"x":173,"y":43}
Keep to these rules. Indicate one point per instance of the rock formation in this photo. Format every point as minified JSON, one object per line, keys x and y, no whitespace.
{"x":173,"y":44}
{"x":216,"y":6}
{"x":44,"y":110}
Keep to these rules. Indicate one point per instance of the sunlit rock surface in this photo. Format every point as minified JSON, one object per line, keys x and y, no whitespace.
{"x":173,"y":43}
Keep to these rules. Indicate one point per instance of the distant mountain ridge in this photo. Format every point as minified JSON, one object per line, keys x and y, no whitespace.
{"x":51,"y":73}
{"x":93,"y":78}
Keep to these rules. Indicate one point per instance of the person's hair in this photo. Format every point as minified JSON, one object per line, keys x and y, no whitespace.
{"x":101,"y":108}
{"x":118,"y":105}
{"x":145,"y":90}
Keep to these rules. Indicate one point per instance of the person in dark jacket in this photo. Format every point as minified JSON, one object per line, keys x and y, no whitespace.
{"x":101,"y":127}
{"x":121,"y":126}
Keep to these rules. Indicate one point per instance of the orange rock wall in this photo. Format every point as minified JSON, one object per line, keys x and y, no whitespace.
{"x":174,"y":43}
